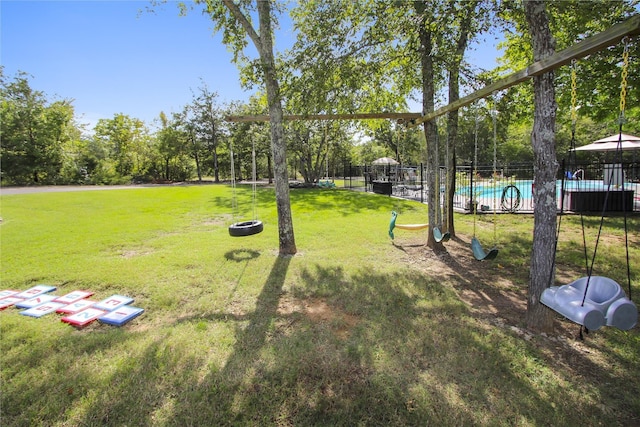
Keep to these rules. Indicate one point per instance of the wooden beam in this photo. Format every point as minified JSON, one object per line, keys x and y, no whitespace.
{"x":630,"y":27}
{"x":357,"y":116}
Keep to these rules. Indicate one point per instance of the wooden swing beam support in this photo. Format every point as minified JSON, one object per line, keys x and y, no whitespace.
{"x":628,"y":28}
{"x":358,"y":116}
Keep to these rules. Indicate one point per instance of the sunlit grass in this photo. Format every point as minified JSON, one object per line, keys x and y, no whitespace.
{"x":346,"y":332}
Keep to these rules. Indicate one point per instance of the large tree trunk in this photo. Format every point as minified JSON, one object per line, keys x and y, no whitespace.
{"x":452,"y":117}
{"x":539,"y":317}
{"x":278,"y":144}
{"x":428,"y":93}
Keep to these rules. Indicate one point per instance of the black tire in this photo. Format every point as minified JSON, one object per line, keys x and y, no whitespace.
{"x":245,"y":228}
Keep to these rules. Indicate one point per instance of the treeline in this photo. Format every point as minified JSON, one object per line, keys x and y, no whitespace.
{"x":44,"y":143}
{"x":345,"y":59}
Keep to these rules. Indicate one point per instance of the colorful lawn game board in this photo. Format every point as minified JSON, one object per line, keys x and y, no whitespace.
{"x":8,"y":302}
{"x":74,"y":296}
{"x":120,"y":316}
{"x":35,"y":291}
{"x":75,"y":307}
{"x":113,"y":302}
{"x":84,"y":317}
{"x":8,"y":293}
{"x":79,"y":311}
{"x":42,"y":309}
{"x":33,"y":302}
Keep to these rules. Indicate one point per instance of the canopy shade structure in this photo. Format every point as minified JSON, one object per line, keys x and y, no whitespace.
{"x":385,"y":161}
{"x":610,"y":143}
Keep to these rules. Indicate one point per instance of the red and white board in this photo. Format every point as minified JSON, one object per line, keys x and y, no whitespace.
{"x":35,"y":291}
{"x":9,"y":301}
{"x":84,"y":317}
{"x":8,"y":293}
{"x":74,"y":296}
{"x":75,"y":307}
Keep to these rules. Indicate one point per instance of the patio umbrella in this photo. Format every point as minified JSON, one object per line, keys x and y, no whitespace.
{"x":385,"y":161}
{"x":610,"y":143}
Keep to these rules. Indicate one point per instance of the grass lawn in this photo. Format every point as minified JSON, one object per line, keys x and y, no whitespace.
{"x":353,"y":330}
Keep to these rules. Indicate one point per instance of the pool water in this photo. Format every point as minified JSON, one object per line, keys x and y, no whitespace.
{"x":525,"y":186}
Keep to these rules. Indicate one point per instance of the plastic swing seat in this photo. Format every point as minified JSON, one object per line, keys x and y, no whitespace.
{"x":412,"y":227}
{"x":605,"y":303}
{"x":439,"y":236}
{"x":246,"y":228}
{"x":480,"y":254}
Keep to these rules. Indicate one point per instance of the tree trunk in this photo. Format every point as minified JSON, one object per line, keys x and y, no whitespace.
{"x":196,"y":157}
{"x":216,"y":167}
{"x":452,"y":117}
{"x":214,"y":149}
{"x":539,"y":317}
{"x":428,"y":93}
{"x":278,"y":145}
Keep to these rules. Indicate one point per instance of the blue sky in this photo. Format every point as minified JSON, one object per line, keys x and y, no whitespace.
{"x":113,"y":57}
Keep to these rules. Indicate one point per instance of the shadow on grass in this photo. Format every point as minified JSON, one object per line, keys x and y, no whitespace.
{"x":344,"y":201}
{"x":393,"y":348}
{"x":241,"y":255}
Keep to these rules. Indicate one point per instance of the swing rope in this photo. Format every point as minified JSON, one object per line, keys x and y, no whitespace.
{"x":621,"y":120}
{"x":234,"y":197}
{"x":474,"y":172}
{"x":563,"y":184}
{"x":438,"y":235}
{"x":244,"y":228}
{"x":254,"y":178}
{"x":494,"y":114}
{"x":478,"y":251}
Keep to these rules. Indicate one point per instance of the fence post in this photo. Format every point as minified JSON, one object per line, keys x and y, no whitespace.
{"x":471,"y":201}
{"x":421,"y":183}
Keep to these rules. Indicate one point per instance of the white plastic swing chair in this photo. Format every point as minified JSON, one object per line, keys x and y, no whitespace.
{"x":603,"y":303}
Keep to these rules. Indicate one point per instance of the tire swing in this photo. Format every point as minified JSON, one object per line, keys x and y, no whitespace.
{"x":251,"y":227}
{"x":595,"y":301}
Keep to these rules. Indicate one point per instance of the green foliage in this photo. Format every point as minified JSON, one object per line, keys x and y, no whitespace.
{"x":34,"y":132}
{"x":598,"y":76}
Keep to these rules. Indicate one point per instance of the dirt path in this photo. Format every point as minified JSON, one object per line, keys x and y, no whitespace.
{"x":5,"y":191}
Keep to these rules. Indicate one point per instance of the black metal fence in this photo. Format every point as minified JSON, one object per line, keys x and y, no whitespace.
{"x":509,"y":188}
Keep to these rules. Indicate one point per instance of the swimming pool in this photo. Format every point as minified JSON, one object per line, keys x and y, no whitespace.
{"x":517,"y":195}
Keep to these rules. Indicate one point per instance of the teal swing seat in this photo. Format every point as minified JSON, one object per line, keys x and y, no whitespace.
{"x":439,"y":236}
{"x":479,"y":252}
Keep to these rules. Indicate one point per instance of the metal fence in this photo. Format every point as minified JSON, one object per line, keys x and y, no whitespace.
{"x":589,"y":188}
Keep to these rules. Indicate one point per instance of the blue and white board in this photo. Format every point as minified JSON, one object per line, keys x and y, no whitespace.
{"x":120,"y":316}
{"x":74,"y":296}
{"x":9,"y":301}
{"x":84,"y":317}
{"x":76,"y":306}
{"x":42,"y":309}
{"x":113,"y":302}
{"x":35,"y":291}
{"x":33,"y":302}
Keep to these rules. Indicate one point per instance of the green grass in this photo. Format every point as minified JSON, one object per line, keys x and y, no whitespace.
{"x":351,"y":331}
